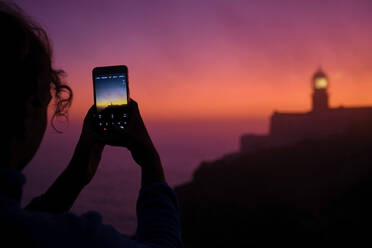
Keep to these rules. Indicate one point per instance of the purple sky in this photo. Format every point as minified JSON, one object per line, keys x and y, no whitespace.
{"x":214,"y":59}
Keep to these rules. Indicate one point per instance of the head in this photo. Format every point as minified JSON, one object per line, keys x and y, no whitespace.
{"x":29,"y":83}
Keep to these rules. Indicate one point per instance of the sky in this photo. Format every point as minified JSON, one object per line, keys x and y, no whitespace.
{"x":213,"y":59}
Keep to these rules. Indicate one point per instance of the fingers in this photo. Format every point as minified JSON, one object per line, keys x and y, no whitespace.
{"x":133,"y":105}
{"x":134,"y":114}
{"x":90,"y":117}
{"x":92,"y":110}
{"x":133,"y":102}
{"x":114,"y":136}
{"x":91,"y":113}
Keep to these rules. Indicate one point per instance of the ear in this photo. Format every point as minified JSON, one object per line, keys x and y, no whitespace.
{"x":28,"y":114}
{"x":29,"y":132}
{"x":33,"y":111}
{"x":35,"y":101}
{"x":32,"y":105}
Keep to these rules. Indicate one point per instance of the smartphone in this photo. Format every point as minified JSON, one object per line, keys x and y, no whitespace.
{"x":111,"y":96}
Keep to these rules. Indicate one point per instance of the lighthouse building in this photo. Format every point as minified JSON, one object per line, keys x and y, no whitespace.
{"x":320,"y":122}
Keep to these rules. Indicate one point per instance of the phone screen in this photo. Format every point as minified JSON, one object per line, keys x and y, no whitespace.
{"x":111,"y":91}
{"x":111,"y":96}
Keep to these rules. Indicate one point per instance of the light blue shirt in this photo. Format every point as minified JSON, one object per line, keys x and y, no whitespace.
{"x":157,"y":213}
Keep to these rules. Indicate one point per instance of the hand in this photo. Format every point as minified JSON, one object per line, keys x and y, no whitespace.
{"x":88,"y":151}
{"x":83,"y":165}
{"x":134,"y":137}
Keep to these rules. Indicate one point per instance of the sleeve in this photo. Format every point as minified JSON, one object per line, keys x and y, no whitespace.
{"x":158,"y":217}
{"x":70,"y":230}
{"x":158,"y":224}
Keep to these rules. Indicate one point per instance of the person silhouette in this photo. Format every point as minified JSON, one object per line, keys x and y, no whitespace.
{"x":29,"y":83}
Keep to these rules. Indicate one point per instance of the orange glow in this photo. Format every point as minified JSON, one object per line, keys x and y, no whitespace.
{"x":117,"y":103}
{"x":222,"y":62}
{"x":235,"y":97}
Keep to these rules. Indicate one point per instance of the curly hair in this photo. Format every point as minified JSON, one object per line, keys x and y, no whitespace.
{"x":26,"y":63}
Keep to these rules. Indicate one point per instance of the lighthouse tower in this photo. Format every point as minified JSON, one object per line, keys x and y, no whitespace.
{"x":320,"y":93}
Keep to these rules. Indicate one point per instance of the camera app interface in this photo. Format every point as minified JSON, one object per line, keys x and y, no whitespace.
{"x":111,"y":97}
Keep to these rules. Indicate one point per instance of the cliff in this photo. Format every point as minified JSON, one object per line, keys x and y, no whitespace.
{"x":317,"y":192}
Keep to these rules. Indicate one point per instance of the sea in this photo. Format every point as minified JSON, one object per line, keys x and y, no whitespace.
{"x":113,"y":192}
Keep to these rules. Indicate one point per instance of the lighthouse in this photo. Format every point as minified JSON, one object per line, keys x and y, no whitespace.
{"x":320,"y":91}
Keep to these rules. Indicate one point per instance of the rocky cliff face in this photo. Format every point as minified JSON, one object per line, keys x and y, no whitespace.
{"x":312,"y":193}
